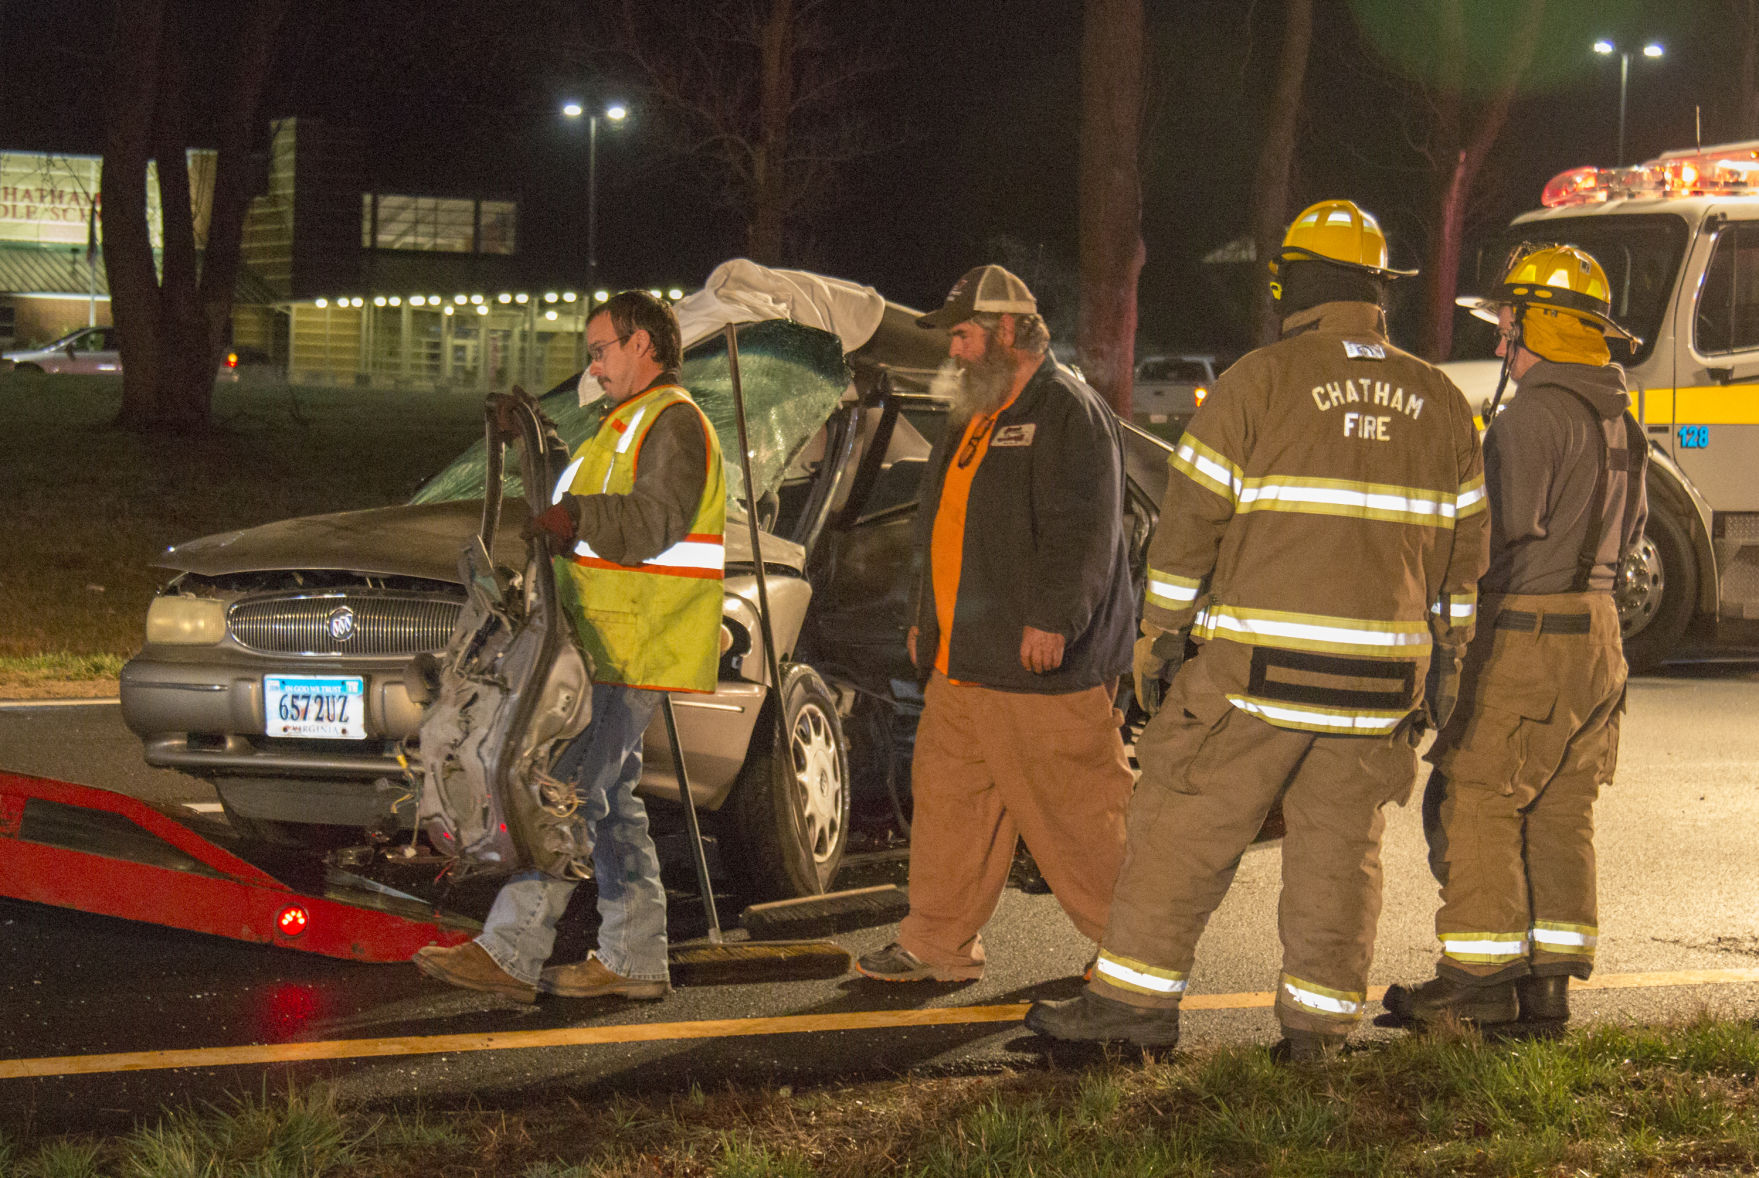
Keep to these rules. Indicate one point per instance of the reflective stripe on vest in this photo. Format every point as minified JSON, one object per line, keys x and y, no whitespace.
{"x":1312,"y":718}
{"x":694,"y":556}
{"x":1319,"y":632}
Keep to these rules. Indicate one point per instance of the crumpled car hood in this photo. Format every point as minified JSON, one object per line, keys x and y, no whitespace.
{"x":408,"y":540}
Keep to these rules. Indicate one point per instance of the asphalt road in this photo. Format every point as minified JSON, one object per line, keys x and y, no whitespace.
{"x":88,"y":1000}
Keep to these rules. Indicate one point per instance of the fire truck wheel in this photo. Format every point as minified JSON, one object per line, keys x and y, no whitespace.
{"x":1656,"y":592}
{"x":792,"y":824}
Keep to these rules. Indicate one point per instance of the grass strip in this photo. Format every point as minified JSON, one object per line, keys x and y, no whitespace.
{"x":1606,"y":1101}
{"x":90,"y":507}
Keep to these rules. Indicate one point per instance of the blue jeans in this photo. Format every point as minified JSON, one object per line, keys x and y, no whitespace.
{"x":605,"y":763}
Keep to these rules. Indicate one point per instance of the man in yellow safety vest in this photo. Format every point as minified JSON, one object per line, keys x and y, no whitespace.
{"x":642,"y":509}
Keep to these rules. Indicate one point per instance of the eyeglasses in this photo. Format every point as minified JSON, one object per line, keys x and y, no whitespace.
{"x":597,"y":351}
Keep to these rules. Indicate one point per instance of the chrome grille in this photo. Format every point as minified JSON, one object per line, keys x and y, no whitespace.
{"x":343,"y":623}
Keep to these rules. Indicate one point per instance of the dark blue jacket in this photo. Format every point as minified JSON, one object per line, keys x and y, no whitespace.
{"x":1044,"y":544}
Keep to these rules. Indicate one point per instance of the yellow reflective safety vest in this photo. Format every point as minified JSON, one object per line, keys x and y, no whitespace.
{"x":656,"y":624}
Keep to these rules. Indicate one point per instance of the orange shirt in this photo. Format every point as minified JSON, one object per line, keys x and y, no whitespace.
{"x":946,"y":548}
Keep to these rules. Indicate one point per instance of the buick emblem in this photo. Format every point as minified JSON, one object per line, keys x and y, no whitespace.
{"x":341,"y":623}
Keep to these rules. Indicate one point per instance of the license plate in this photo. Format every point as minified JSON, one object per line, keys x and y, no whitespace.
{"x":329,"y":708}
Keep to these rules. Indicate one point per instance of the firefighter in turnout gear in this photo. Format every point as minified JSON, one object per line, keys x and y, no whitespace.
{"x":1509,"y":806}
{"x":1321,"y":541}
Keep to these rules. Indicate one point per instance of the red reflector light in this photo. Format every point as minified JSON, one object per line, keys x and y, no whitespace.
{"x":292,"y":920}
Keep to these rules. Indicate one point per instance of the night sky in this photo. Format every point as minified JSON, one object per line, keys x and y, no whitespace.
{"x":976,"y":116}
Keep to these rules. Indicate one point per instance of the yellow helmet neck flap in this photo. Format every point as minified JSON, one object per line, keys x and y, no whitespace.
{"x":1562,"y":337}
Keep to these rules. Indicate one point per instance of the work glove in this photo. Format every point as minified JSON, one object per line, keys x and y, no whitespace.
{"x":1157,"y":656}
{"x":1441,"y":687}
{"x":556,"y":522}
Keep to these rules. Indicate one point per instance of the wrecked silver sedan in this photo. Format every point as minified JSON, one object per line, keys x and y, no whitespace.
{"x":275,"y":659}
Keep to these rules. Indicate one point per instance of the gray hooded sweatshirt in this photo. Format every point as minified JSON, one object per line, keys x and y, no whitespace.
{"x":1540,"y":466}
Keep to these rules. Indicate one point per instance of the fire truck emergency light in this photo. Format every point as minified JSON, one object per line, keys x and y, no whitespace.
{"x":1732,"y":170}
{"x":292,"y":920}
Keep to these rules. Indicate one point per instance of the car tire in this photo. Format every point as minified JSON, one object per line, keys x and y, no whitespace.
{"x":792,"y":826}
{"x":1657,"y":592}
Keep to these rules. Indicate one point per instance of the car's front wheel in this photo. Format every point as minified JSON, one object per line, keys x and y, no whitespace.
{"x":791,"y":818}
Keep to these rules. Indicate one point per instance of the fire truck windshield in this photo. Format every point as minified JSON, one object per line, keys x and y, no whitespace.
{"x":1641,"y":256}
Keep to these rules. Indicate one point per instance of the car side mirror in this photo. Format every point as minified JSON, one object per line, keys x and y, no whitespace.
{"x":70,"y":352}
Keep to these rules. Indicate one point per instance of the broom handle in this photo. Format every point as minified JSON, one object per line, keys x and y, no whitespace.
{"x":701,"y":856}
{"x":771,"y":660}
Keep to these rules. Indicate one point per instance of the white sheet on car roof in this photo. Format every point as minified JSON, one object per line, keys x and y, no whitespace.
{"x":741,"y":291}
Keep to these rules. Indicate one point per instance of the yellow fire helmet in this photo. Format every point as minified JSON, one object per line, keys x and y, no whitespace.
{"x":1558,"y":278}
{"x":1339,"y":232}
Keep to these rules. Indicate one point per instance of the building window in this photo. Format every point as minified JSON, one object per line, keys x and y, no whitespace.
{"x":437,"y":224}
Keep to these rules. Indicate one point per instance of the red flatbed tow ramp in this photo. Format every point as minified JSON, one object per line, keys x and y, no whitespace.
{"x":75,"y":846}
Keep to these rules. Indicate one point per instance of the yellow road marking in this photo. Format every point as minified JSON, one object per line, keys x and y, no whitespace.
{"x":210,"y":1057}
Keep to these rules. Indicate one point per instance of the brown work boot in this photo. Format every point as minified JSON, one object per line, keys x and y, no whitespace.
{"x":1544,"y":999}
{"x":470,"y":966}
{"x":592,"y":978}
{"x":1094,"y":1018}
{"x":1298,"y":1046}
{"x":1442,"y":997}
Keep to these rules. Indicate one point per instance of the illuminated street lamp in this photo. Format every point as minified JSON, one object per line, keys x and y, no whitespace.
{"x":1605,"y":47}
{"x":616,"y":112}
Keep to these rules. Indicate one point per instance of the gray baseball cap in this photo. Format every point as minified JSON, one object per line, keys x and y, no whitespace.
{"x":985,"y":290}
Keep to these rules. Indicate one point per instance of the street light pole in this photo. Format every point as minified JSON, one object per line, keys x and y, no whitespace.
{"x":1603,"y":46}
{"x":616,"y":113}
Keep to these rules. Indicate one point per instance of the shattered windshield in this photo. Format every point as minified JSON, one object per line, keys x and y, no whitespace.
{"x":792,"y":378}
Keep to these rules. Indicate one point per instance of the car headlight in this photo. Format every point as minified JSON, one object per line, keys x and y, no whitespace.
{"x":186,"y":621}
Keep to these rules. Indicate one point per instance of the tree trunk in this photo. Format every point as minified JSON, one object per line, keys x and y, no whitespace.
{"x":768,"y":214}
{"x":1748,"y":105}
{"x":234,"y":171}
{"x":1270,"y":182}
{"x":172,"y":319}
{"x":122,"y":184}
{"x":1442,"y":267}
{"x":1110,"y":195}
{"x":186,"y":373}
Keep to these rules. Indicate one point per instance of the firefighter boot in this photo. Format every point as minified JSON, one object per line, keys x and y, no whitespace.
{"x":1441,"y":997}
{"x":1094,"y":1018}
{"x":1544,"y":999}
{"x":1298,"y":1047}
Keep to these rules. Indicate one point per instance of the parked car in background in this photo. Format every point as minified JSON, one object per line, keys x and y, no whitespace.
{"x":257,"y":623}
{"x":1169,"y":389}
{"x":93,"y":351}
{"x":90,"y":351}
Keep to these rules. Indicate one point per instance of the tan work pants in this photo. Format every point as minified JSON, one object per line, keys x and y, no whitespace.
{"x":1509,"y":810}
{"x":1210,"y":773}
{"x":992,"y":767}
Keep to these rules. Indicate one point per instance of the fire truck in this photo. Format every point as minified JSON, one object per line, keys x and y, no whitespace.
{"x":1679,"y":239}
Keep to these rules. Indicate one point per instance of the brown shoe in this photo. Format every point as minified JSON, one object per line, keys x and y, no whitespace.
{"x":470,"y":966}
{"x":592,"y":978}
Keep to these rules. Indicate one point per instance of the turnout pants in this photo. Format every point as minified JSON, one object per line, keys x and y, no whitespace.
{"x":1210,"y":773}
{"x":990,"y":768}
{"x":1509,"y":808}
